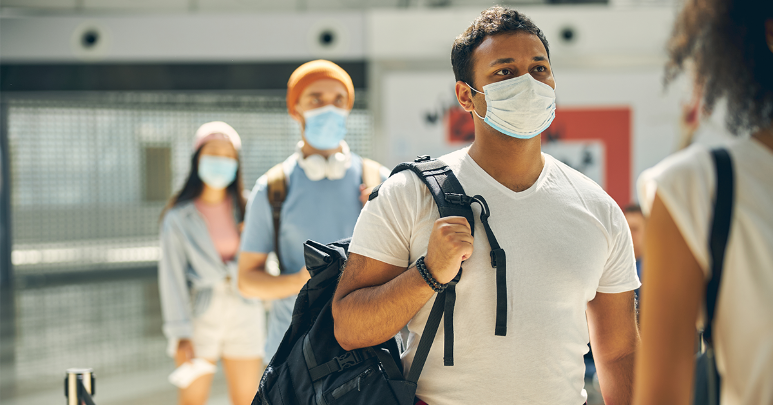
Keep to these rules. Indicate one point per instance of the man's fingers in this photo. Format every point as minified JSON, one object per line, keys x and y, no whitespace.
{"x":456,"y":229}
{"x":455,"y":220}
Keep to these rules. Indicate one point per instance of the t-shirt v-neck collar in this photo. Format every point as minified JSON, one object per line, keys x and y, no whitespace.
{"x":468,"y":161}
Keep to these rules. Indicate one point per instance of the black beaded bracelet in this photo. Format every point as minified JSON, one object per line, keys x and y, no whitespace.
{"x":428,"y":277}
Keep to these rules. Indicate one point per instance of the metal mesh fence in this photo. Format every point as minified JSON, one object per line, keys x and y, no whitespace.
{"x":81,"y":192}
{"x":81,"y":202}
{"x":113,"y":327}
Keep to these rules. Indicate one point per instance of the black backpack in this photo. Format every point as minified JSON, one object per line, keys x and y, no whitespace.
{"x":310,"y":367}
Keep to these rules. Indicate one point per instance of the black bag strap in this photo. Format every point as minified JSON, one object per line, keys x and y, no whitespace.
{"x":499,"y":262}
{"x":720,"y":232}
{"x":447,"y":193}
{"x":451,"y":200}
{"x":441,"y":182}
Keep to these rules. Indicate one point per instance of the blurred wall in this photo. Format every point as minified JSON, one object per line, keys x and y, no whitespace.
{"x":603,"y":56}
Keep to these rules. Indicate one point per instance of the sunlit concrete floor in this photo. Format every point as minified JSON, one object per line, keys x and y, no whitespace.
{"x":109,"y":322}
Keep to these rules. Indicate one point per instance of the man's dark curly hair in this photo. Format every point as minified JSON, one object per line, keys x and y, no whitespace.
{"x":493,"y":21}
{"x":726,"y":41}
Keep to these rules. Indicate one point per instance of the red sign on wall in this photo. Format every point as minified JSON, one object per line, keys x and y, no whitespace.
{"x":609,"y":127}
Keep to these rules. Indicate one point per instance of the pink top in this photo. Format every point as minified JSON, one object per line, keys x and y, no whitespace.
{"x":222,"y":226}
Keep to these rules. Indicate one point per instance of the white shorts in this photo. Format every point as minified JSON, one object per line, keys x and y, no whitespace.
{"x":230,"y":327}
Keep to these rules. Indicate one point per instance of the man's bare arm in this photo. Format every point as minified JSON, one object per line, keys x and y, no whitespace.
{"x":374,"y":300}
{"x":614,"y":337}
{"x":255,"y":282}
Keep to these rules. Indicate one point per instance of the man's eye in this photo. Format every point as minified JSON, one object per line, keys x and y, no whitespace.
{"x":504,"y":72}
{"x":541,"y":69}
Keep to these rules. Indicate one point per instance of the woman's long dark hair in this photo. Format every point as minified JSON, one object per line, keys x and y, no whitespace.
{"x":193,"y":187}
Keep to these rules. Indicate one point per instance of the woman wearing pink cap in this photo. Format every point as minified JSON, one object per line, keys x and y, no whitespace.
{"x":205,"y":318}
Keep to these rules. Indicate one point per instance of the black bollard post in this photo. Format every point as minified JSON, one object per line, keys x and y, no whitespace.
{"x":79,"y":386}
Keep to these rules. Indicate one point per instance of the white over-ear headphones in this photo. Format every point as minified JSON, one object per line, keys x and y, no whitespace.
{"x":317,"y":167}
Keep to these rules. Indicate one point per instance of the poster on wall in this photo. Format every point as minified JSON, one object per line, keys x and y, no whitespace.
{"x":423,"y":117}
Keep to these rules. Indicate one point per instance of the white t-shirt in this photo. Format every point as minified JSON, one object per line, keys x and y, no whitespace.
{"x":743,"y":332}
{"x":565,"y":239}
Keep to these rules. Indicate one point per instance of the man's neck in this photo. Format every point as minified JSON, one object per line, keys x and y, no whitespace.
{"x":308,"y":150}
{"x":514,"y":163}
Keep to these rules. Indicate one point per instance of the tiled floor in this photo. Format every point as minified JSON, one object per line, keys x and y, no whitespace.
{"x":112,"y":325}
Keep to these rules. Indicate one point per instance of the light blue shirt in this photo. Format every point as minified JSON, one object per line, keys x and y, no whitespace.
{"x":189,"y":267}
{"x":324,"y":211}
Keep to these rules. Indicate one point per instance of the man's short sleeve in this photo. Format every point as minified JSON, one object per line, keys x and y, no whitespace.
{"x":619,"y":273}
{"x":258,"y":234}
{"x":384,"y":228}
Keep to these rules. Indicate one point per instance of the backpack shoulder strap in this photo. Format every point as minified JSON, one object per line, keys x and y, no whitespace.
{"x":371,"y":176}
{"x":443,"y":185}
{"x":451,"y":200}
{"x":277,"y":192}
{"x":720,"y":231}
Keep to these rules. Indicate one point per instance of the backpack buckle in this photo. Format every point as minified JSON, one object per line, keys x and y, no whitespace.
{"x":494,"y":253}
{"x":422,"y":158}
{"x":458,"y":199}
{"x":347,"y":360}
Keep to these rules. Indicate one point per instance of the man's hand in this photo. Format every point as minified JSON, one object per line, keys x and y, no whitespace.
{"x":184,"y":352}
{"x":256,"y":282}
{"x":450,"y":243}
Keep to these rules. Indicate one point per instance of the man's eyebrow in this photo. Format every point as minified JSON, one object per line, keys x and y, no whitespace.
{"x":502,"y":61}
{"x":511,"y":60}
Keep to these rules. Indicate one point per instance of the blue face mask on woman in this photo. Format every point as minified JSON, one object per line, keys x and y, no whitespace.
{"x":216,"y":171}
{"x":325,"y":127}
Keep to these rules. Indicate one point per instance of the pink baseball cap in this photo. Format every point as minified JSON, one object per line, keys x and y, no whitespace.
{"x":216,"y":130}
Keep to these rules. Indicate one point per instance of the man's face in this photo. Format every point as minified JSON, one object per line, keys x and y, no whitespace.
{"x":637,"y":224}
{"x":319,"y":94}
{"x":506,"y":56}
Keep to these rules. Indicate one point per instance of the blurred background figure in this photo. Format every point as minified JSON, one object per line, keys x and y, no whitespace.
{"x":731,"y":45}
{"x":637,"y":223}
{"x":322,"y":186}
{"x":204,"y":315}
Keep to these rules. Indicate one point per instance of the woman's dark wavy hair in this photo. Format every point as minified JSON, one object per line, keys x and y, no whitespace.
{"x":492,"y":21}
{"x":193,"y":187}
{"x":726,"y":41}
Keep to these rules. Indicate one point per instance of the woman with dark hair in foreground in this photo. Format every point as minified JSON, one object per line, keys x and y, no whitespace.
{"x":730,"y":43}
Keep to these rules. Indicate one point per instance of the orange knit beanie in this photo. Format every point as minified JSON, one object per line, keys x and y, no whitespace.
{"x":312,"y":71}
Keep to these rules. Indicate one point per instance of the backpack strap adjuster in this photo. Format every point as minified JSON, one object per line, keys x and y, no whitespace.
{"x":348,"y":359}
{"x":342,"y":362}
{"x":459,"y":199}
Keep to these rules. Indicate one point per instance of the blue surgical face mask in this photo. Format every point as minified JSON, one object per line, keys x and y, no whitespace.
{"x":325,"y":126}
{"x":216,"y":171}
{"x":521,"y":107}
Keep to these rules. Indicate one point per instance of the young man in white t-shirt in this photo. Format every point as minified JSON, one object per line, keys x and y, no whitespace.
{"x":570,"y":263}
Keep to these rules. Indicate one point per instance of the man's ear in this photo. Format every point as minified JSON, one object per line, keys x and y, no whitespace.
{"x":464,"y":96}
{"x":769,"y":33}
{"x":296,"y":115}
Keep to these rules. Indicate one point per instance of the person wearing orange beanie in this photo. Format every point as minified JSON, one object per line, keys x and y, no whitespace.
{"x":323,"y":187}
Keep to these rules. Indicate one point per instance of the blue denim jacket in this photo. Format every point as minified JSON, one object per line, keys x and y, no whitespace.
{"x":189,"y":267}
